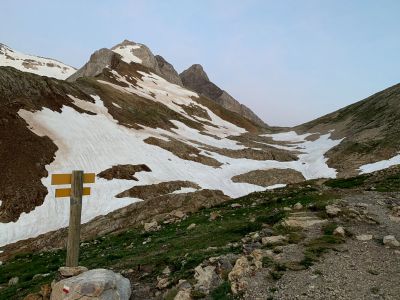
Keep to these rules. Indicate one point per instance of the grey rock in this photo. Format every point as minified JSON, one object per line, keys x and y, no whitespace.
{"x":97,"y":284}
{"x":96,"y":64}
{"x":364,"y":237}
{"x":168,"y":71}
{"x":13,"y":281}
{"x":391,"y":241}
{"x":332,"y":210}
{"x":206,"y":278}
{"x":196,"y":79}
{"x":339,"y":231}
{"x":71,"y":271}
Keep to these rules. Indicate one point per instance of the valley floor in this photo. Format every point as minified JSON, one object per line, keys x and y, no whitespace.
{"x":314,"y":240}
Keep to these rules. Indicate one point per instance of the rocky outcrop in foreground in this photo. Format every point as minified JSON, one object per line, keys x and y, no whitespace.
{"x":93,"y":284}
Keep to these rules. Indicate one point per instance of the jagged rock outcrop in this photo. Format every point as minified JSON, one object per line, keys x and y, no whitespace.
{"x":168,"y":71}
{"x":196,"y":79}
{"x":96,"y":64}
{"x":127,"y":51}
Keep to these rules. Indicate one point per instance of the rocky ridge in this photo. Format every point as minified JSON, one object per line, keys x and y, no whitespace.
{"x":196,"y":79}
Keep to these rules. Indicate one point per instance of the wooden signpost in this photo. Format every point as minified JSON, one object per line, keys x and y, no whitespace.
{"x":76,"y":180}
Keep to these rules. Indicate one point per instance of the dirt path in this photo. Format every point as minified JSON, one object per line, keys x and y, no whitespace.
{"x":357,"y":270}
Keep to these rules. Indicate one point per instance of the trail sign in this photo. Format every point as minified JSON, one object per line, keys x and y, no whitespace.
{"x":58,"y":179}
{"x":76,"y":180}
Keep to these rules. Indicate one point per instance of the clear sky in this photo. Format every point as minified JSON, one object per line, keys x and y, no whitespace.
{"x":290,"y":61}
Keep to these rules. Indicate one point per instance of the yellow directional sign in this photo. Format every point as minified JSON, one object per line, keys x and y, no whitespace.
{"x":67,"y":192}
{"x":57,"y":179}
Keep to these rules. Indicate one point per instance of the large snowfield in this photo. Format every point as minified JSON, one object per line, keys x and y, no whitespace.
{"x":94,"y":143}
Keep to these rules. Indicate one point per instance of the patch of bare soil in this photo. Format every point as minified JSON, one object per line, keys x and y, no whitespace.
{"x":123,"y":172}
{"x":146,"y":192}
{"x":250,"y":153}
{"x":270,"y":177}
{"x":196,"y":111}
{"x":183,"y":150}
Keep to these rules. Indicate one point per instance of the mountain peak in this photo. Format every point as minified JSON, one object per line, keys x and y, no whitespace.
{"x":196,"y":79}
{"x":195,"y":71}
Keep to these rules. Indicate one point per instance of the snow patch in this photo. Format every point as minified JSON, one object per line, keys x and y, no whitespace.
{"x":380,"y":165}
{"x":311,"y":162}
{"x":127,"y":53}
{"x":34,"y":64}
{"x":184,"y":190}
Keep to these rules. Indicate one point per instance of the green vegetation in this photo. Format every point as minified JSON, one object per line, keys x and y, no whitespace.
{"x":347,"y":183}
{"x":174,"y":246}
{"x":318,"y":246}
{"x":223,"y":292}
{"x":389,"y":183}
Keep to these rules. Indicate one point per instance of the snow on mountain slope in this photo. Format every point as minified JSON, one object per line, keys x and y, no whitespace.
{"x":127,"y":53}
{"x":34,"y":64}
{"x":380,"y":165}
{"x":97,"y":142}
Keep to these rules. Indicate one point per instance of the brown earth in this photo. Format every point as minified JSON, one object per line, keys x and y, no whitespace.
{"x":150,"y":191}
{"x":270,"y":177}
{"x":123,"y":172}
{"x":250,"y":153}
{"x":183,"y":150}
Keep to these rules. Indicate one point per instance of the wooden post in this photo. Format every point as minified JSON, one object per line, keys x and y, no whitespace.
{"x":74,"y":230}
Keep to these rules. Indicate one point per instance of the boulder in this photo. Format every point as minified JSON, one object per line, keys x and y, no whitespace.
{"x":152,"y":226}
{"x":191,"y":226}
{"x":364,"y":237}
{"x":236,"y":205}
{"x":162,"y":282}
{"x":13,"y":281}
{"x":183,"y":295}
{"x":274,"y":240}
{"x":339,"y":231}
{"x":391,"y":241}
{"x":214,"y":215}
{"x":97,"y":284}
{"x":206,"y":279}
{"x":238,"y":273}
{"x":298,"y":206}
{"x":332,"y":210}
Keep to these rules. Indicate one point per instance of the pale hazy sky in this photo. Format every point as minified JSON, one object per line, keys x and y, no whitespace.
{"x":290,"y":61}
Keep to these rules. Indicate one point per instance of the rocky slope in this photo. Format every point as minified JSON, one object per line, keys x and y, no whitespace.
{"x":369,"y":129}
{"x":196,"y":79}
{"x":34,"y":64}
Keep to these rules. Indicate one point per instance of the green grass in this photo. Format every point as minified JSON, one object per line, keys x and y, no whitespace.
{"x":223,"y":292}
{"x":389,"y":184}
{"x":347,"y":183}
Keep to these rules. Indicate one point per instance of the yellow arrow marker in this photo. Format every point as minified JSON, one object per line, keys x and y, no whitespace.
{"x":57,"y":179}
{"x":67,"y":192}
